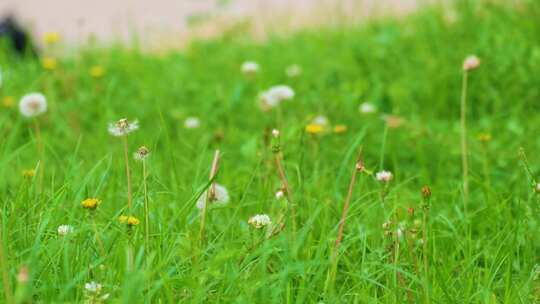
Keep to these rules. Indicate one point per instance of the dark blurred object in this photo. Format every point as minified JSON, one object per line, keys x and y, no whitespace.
{"x":16,"y":37}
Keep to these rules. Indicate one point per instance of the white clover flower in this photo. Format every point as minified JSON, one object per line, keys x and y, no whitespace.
{"x":321,"y":120}
{"x":192,"y":123}
{"x":221,"y":196}
{"x":64,"y":230}
{"x":142,"y":154}
{"x":259,"y":221}
{"x":33,"y":104}
{"x":93,"y":287}
{"x":272,"y":97}
{"x":250,"y":68}
{"x":275,"y":133}
{"x":123,"y":127}
{"x":280,"y":194}
{"x":367,"y":108}
{"x":471,"y":62}
{"x":384,"y":176}
{"x":293,"y":70}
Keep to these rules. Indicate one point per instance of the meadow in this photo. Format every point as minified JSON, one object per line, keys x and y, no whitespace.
{"x":443,"y":206}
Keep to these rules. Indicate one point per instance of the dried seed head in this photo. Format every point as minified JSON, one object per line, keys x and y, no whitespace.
{"x":142,"y":153}
{"x":426,"y":192}
{"x":410,"y":211}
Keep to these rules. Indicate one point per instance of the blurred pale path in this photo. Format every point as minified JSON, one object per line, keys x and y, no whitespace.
{"x":172,"y":22}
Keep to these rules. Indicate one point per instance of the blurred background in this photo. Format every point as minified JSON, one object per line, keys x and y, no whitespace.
{"x":171,"y":23}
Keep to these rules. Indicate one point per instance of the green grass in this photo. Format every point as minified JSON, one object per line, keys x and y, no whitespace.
{"x":409,"y":67}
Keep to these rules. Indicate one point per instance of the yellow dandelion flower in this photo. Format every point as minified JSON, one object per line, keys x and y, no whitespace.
{"x":97,"y":71}
{"x":29,"y":173}
{"x":484,"y":137}
{"x":91,"y":203}
{"x":338,"y":129}
{"x":49,"y":63}
{"x":51,"y":38}
{"x":314,"y":128}
{"x":129,"y":220}
{"x":8,"y":102}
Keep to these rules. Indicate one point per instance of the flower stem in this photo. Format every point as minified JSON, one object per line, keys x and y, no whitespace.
{"x":146,"y":208}
{"x":287,"y":188}
{"x":425,"y":255}
{"x":40,"y":149}
{"x":210,"y":193}
{"x":464,"y":149}
{"x":359,"y":167}
{"x":128,"y":175}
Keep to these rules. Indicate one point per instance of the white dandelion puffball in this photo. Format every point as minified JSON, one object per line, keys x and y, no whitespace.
{"x":321,"y":120}
{"x":471,"y":62}
{"x":123,"y":127}
{"x":280,"y":194}
{"x":275,"y":95}
{"x":250,"y":68}
{"x":64,"y":230}
{"x":33,"y":104}
{"x":192,"y":123}
{"x":367,"y":108}
{"x":293,"y":70}
{"x":259,"y":221}
{"x":93,"y":287}
{"x":221,"y":196}
{"x":384,"y":176}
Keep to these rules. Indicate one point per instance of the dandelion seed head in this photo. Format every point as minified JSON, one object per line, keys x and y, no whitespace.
{"x":220,"y":197}
{"x":64,"y":230}
{"x":384,"y":176}
{"x":259,"y":221}
{"x":250,"y":68}
{"x":192,"y":123}
{"x":280,"y":194}
{"x":293,"y":70}
{"x":123,"y":127}
{"x":142,"y":154}
{"x":367,"y":108}
{"x":273,"y":97}
{"x":32,"y":105}
{"x":471,"y":62}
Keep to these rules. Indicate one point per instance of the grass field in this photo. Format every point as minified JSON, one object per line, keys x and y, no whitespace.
{"x":400,"y":244}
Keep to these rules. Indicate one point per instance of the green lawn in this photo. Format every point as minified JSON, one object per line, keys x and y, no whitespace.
{"x":483,"y":247}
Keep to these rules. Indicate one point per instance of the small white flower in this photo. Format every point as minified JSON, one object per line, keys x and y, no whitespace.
{"x":93,"y":287}
{"x":64,"y":230}
{"x":293,"y":70}
{"x":275,"y":133}
{"x":123,"y":127}
{"x":367,"y":108}
{"x":192,"y":123}
{"x":275,"y":95}
{"x":471,"y":62}
{"x":250,"y":68}
{"x":259,"y":221}
{"x":321,"y":120}
{"x":280,"y":194}
{"x":221,"y":196}
{"x":33,"y":104}
{"x":384,"y":176}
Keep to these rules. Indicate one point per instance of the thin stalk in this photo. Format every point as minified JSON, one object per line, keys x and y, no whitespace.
{"x":40,"y":149}
{"x":425,"y":255}
{"x":8,"y":292}
{"x":358,"y":167}
{"x":464,"y":149}
{"x":287,"y":187}
{"x":128,"y":174}
{"x":210,"y":193}
{"x":146,"y":208}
